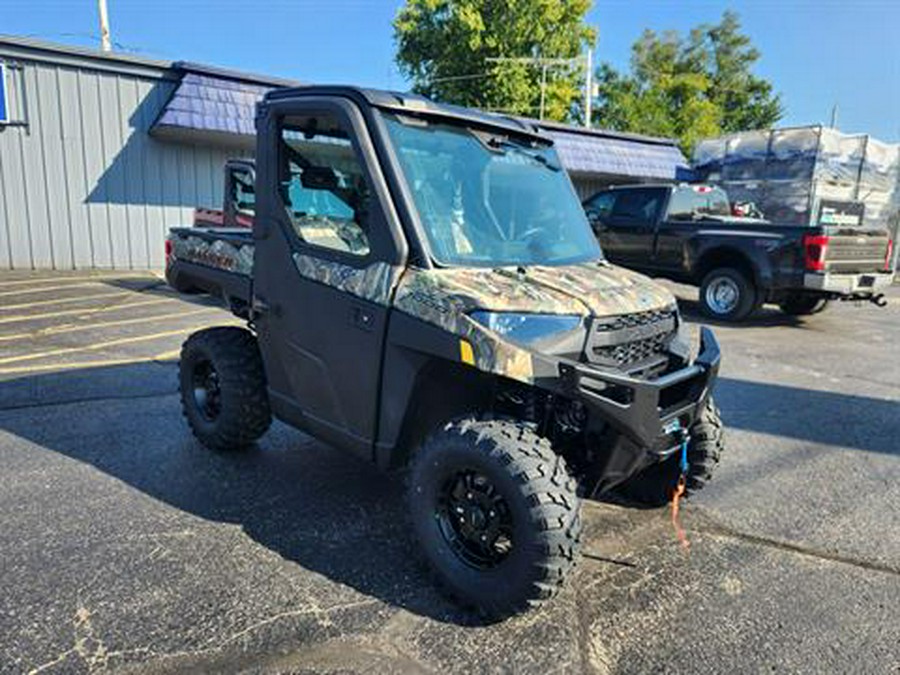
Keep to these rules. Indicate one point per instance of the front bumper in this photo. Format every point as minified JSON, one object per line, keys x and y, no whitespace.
{"x":848,"y":284}
{"x":644,"y":412}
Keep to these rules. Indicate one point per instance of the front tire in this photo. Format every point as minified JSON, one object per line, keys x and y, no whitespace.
{"x":727,"y":294}
{"x":655,"y":485}
{"x":223,"y":388}
{"x":496,"y":513}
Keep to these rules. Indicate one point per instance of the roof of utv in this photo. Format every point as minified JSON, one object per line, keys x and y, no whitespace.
{"x":411,"y":104}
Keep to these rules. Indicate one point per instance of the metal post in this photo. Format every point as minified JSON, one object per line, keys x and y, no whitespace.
{"x":588,"y":87}
{"x":543,"y":87}
{"x":105,"y":43}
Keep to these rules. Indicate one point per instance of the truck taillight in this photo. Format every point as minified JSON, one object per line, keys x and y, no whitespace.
{"x":814,"y":248}
{"x":887,"y":255}
{"x":168,"y":251}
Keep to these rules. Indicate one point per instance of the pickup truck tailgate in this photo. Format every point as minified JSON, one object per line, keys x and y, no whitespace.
{"x":850,"y":253}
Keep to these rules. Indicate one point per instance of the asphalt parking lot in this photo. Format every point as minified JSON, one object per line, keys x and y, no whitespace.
{"x":127,"y":547}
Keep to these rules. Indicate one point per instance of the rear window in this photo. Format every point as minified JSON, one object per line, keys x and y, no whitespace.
{"x":689,"y":202}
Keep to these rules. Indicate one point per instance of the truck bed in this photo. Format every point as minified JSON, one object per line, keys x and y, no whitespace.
{"x":217,"y":261}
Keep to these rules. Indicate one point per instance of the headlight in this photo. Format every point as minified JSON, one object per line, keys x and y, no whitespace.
{"x":527,"y":328}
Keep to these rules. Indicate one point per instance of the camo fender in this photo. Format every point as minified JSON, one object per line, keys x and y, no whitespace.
{"x":218,"y":253}
{"x":444,"y":298}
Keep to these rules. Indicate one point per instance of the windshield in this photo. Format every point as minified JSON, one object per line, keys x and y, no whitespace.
{"x":488,"y":200}
{"x":691,"y":202}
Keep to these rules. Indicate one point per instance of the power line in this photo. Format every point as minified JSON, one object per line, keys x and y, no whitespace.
{"x":545,"y":63}
{"x":452,"y":78}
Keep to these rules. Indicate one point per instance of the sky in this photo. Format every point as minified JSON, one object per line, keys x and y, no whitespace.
{"x":817,"y":54}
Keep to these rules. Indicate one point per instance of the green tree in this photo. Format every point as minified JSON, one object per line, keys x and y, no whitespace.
{"x":443,"y":46}
{"x":688,"y":87}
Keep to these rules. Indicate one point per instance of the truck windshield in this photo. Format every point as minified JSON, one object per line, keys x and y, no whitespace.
{"x":490,"y":200}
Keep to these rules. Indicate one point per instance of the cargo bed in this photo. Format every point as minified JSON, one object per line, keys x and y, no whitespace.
{"x":217,"y":261}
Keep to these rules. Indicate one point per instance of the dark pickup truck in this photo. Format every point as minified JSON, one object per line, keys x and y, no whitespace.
{"x":689,"y":233}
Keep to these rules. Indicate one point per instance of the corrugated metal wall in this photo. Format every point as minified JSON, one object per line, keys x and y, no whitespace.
{"x":82,"y":184}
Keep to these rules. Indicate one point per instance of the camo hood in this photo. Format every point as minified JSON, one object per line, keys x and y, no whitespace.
{"x":597,"y":289}
{"x":446,"y":297}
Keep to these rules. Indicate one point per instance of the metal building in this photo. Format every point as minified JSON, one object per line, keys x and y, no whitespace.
{"x":100,"y":153}
{"x":91,"y":172}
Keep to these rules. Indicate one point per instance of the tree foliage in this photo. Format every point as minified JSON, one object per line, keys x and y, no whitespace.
{"x":443,"y":46}
{"x":688,"y":87}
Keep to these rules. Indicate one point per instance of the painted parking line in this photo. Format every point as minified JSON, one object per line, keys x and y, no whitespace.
{"x":78,"y":277}
{"x":83,"y":311}
{"x":64,"y":301}
{"x":97,"y":345}
{"x":69,"y":328}
{"x":163,"y":357}
{"x":47,"y":289}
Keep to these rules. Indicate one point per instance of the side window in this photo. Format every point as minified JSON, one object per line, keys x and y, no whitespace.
{"x":243,"y":193}
{"x":602,"y":205}
{"x":322,"y":185}
{"x":638,"y":204}
{"x":682,"y":205}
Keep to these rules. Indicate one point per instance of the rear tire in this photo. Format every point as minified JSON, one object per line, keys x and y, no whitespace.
{"x":727,"y":294}
{"x":223,"y":388}
{"x":654,"y":485}
{"x":496,"y":513}
{"x":803,"y":305}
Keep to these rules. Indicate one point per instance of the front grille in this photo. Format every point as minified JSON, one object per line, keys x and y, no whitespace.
{"x":632,"y":353}
{"x":614,"y":323}
{"x":628,"y":341}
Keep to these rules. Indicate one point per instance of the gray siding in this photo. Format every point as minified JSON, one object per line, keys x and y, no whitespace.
{"x":82,"y":184}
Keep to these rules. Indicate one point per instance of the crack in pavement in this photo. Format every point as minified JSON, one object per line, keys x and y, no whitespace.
{"x":718,"y":530}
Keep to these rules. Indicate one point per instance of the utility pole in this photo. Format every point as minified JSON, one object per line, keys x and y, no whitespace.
{"x":544,"y":63}
{"x":105,"y":43}
{"x":588,"y":86}
{"x":543,"y":88}
{"x":834,"y":116}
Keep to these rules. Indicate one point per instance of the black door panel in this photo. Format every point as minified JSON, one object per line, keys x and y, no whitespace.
{"x":325,"y":225}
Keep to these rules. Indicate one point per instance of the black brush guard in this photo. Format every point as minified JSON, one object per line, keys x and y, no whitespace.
{"x":650,"y":415}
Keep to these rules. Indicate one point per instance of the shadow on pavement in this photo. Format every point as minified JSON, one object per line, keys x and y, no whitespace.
{"x":154,"y":286}
{"x":831,"y":418}
{"x":765,"y":317}
{"x":325,"y":510}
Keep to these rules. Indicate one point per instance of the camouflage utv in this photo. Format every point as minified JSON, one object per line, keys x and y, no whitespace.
{"x":422,"y":288}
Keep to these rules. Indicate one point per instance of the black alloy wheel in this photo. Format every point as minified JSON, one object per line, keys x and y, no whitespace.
{"x":207,"y":392}
{"x":475,"y":520}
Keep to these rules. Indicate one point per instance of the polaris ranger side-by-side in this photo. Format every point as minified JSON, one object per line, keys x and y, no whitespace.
{"x":422,"y":288}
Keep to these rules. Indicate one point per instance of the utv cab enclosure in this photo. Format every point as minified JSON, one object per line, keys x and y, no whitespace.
{"x":422,"y":288}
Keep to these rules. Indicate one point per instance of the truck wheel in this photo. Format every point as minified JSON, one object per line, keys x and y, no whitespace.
{"x":655,"y":484}
{"x":223,"y":387}
{"x":803,"y":305}
{"x":727,"y":294}
{"x":496,"y":513}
